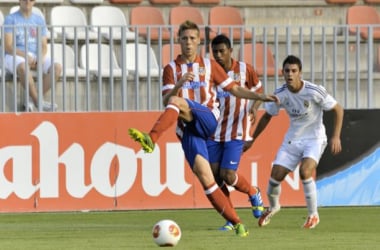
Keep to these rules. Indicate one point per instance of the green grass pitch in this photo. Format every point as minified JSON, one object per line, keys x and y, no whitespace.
{"x":340,"y":228}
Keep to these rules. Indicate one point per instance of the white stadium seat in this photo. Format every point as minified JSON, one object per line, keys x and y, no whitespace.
{"x":104,"y":17}
{"x":66,"y":19}
{"x":108,"y":63}
{"x":141,"y":51}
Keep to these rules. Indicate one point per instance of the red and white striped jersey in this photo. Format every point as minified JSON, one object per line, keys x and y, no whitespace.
{"x":234,"y":112}
{"x":208,"y":75}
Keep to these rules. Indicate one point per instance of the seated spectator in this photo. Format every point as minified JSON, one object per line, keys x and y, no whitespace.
{"x":21,"y":21}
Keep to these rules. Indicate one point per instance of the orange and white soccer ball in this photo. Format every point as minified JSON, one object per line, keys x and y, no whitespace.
{"x":166,"y":233}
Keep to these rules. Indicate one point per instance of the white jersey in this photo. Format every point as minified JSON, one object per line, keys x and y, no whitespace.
{"x":305,"y":109}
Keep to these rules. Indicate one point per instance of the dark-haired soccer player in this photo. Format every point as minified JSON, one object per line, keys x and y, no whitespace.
{"x":305,"y":139}
{"x":227,"y":144}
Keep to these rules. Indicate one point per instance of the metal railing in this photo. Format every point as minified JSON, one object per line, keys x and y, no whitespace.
{"x":112,"y":72}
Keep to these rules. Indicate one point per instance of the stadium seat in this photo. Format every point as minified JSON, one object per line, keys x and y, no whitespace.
{"x":219,"y":23}
{"x":69,"y":19}
{"x":258,"y":62}
{"x":104,"y":17}
{"x":87,"y":1}
{"x":165,"y":1}
{"x":103,"y":64}
{"x":125,"y":1}
{"x":64,"y":54}
{"x":359,"y":17}
{"x":141,"y":52}
{"x":179,"y":14}
{"x":169,"y":53}
{"x":341,"y":1}
{"x":204,"y":1}
{"x":144,"y":17}
{"x":50,"y":1}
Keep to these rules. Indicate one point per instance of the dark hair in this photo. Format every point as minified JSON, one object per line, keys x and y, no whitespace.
{"x":290,"y":59}
{"x":187,"y":25}
{"x":221,"y":39}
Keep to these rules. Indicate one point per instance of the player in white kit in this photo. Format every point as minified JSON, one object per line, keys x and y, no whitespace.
{"x":305,"y":139}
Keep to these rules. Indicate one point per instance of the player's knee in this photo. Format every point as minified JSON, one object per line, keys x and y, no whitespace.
{"x":306,"y":171}
{"x":176,"y":100}
{"x":228,"y":176}
{"x":306,"y":174}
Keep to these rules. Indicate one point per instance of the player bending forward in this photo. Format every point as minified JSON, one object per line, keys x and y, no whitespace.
{"x":305,"y":139}
{"x":189,"y":94}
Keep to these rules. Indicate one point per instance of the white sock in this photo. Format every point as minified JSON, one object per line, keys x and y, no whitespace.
{"x":273,"y":192}
{"x":310,"y":191}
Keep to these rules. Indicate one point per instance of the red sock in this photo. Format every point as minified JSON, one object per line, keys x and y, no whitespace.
{"x":166,"y":119}
{"x":243,"y":186}
{"x":226,"y":192}
{"x":220,"y":203}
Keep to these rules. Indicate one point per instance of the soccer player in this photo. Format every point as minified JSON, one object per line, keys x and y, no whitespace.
{"x":226,"y":145}
{"x":305,"y":139}
{"x":189,"y":96}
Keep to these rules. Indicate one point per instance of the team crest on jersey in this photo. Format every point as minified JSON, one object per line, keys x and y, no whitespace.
{"x":202,"y":71}
{"x":306,"y":104}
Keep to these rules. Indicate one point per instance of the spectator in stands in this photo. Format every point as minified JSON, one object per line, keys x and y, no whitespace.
{"x":25,"y":24}
{"x":305,"y":140}
{"x":227,"y":144}
{"x":189,"y":94}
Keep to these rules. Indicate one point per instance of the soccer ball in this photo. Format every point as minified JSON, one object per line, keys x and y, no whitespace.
{"x":166,"y":233}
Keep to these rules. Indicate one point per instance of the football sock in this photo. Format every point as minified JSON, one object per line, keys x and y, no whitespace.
{"x":310,"y":190}
{"x":241,"y":184}
{"x":220,"y":203}
{"x":168,"y":118}
{"x":273,"y":192}
{"x":226,"y":192}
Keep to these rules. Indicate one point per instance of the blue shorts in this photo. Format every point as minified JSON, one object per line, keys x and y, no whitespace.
{"x":197,"y":132}
{"x":227,"y":154}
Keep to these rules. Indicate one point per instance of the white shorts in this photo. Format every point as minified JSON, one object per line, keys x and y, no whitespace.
{"x":19,"y":59}
{"x":291,"y":153}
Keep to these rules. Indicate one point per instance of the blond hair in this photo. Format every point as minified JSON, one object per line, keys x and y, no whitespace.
{"x":187,"y":25}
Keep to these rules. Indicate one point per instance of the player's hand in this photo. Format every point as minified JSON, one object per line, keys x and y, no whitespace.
{"x":269,"y":98}
{"x":252,"y":116}
{"x":335,"y":145}
{"x":187,"y":77}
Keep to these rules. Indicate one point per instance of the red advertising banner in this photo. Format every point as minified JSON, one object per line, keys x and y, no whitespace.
{"x":86,"y":161}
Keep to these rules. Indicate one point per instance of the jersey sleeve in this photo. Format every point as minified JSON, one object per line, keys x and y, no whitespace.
{"x":168,"y":80}
{"x":220,"y":77}
{"x":326,"y":100}
{"x":253,"y":81}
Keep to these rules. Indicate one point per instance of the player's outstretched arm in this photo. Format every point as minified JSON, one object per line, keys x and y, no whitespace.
{"x":335,"y":143}
{"x":241,"y":92}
